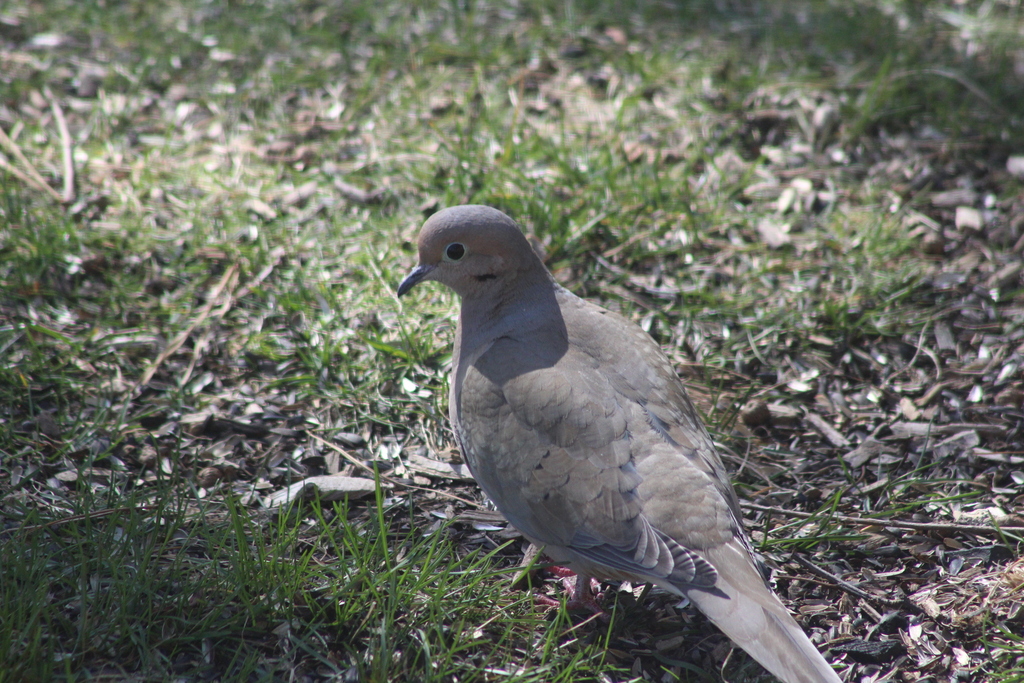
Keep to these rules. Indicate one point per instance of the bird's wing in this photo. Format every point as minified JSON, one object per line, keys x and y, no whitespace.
{"x":559,"y":449}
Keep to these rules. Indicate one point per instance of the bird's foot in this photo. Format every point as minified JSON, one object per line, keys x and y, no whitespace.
{"x":545,"y":601}
{"x":584,"y":595}
{"x":583,"y":592}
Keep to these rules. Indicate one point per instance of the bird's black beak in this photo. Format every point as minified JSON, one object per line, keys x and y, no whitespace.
{"x":412,"y":279}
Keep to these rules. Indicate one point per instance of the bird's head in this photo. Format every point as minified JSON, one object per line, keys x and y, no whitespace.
{"x":472,"y":249}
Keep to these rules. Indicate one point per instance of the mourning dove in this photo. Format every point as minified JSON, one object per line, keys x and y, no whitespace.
{"x":574,"y":423}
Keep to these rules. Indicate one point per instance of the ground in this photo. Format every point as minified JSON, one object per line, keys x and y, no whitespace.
{"x":817,"y":209}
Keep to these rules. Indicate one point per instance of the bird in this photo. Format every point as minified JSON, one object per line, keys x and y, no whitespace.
{"x":574,"y":423}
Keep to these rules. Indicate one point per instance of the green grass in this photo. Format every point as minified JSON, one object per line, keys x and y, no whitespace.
{"x":165,"y":584}
{"x":643,"y":144}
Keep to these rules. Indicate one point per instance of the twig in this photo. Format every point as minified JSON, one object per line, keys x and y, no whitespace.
{"x":197,"y":351}
{"x":845,"y":585}
{"x":31,"y":177}
{"x":593,"y":617}
{"x":910,"y":363}
{"x":357,"y":194}
{"x":203,"y":341}
{"x":20,"y":156}
{"x":180,"y":339}
{"x":768,"y":390}
{"x":953,"y":76}
{"x":898,"y":524}
{"x":65,"y":143}
{"x":76,"y":518}
{"x":345,"y":454}
{"x":28,"y":180}
{"x":229,"y":301}
{"x":275,"y":257}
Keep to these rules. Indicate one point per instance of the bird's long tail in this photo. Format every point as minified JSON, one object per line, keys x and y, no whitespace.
{"x":755,"y":619}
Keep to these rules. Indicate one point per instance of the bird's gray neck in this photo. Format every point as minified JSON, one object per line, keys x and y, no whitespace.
{"x":523,"y":307}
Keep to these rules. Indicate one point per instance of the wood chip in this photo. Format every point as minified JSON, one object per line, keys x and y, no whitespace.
{"x":300,"y":195}
{"x":944,"y":337}
{"x":783,"y":415}
{"x":96,"y":475}
{"x":1015,"y":166}
{"x":968,"y":218}
{"x":1011,"y":396}
{"x":260,"y":208}
{"x":907,"y":430}
{"x":985,"y":515}
{"x":951,"y":198}
{"x":997,"y":456}
{"x":328,"y":487}
{"x":437,"y":468}
{"x":1005,"y":276}
{"x":909,"y":410}
{"x":349,"y":439}
{"x":913,"y":218}
{"x":865,"y":452}
{"x":481,"y":516}
{"x":774,"y":233}
{"x":799,"y":386}
{"x":928,"y":606}
{"x":828,"y":431}
{"x":333,"y":463}
{"x":956,"y":444}
{"x":930,"y":395}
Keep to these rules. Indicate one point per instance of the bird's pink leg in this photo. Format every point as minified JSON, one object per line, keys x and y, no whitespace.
{"x":583,"y":595}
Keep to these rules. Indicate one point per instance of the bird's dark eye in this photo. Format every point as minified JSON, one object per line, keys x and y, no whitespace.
{"x":454,"y":251}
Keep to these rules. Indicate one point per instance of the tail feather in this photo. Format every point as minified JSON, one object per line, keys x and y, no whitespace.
{"x":749,"y":613}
